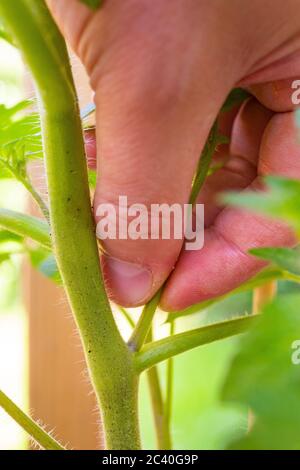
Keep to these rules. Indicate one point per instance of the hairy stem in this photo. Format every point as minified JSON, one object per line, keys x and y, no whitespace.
{"x":72,"y":227}
{"x":36,"y":197}
{"x":143,"y":325}
{"x":157,"y":405}
{"x":158,"y":351}
{"x":127,"y":316}
{"x":169,"y":397}
{"x":162,"y":431}
{"x":41,"y":437}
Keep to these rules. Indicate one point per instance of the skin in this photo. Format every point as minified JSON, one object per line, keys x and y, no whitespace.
{"x":160,"y":71}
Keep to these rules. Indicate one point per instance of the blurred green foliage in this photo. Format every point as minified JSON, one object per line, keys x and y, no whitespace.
{"x":199,"y":418}
{"x":264,"y":377}
{"x":285,"y":258}
{"x":11,"y":71}
{"x":280,"y":201}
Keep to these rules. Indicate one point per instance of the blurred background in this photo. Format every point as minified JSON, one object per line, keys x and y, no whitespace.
{"x":41,"y":363}
{"x":13,"y":322}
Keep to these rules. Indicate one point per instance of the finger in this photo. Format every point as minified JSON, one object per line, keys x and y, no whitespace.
{"x":280,"y":149}
{"x":224,"y":262}
{"x":247,"y":132}
{"x":277,"y":95}
{"x":90,"y":148}
{"x":72,"y":17}
{"x":245,"y":129}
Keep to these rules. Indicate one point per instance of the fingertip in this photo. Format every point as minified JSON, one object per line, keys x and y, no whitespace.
{"x":170,"y":302}
{"x":248,"y":129}
{"x":280,"y":150}
{"x":127,"y":284}
{"x":208,"y":273}
{"x":275,"y":95}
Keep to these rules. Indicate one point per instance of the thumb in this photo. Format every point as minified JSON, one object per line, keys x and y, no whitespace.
{"x":151,"y":127}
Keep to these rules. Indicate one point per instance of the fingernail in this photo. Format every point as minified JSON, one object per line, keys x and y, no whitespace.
{"x":130,"y":283}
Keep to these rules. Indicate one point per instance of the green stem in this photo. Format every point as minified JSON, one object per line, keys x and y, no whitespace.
{"x":36,"y":197}
{"x":204,"y":163}
{"x":26,"y":226}
{"x":158,"y":407}
{"x":40,"y":436}
{"x":72,"y":226}
{"x":158,"y":351}
{"x":127,"y":317}
{"x":169,"y":397}
{"x":143,"y":325}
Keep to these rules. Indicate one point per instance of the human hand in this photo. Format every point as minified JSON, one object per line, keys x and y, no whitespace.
{"x":161,"y":71}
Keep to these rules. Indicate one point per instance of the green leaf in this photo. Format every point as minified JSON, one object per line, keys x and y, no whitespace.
{"x":7,"y":236}
{"x":6,"y":114}
{"x":26,"y":226}
{"x":265,"y":377}
{"x":93,"y":4}
{"x":4,"y":257}
{"x":45,"y":262}
{"x":285,"y":258}
{"x":10,"y":244}
{"x":20,"y":136}
{"x":280,"y":201}
{"x":4,"y":34}
{"x":20,"y":140}
{"x":49,"y":268}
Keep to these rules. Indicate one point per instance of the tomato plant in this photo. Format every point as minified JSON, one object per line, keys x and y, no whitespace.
{"x":66,"y":237}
